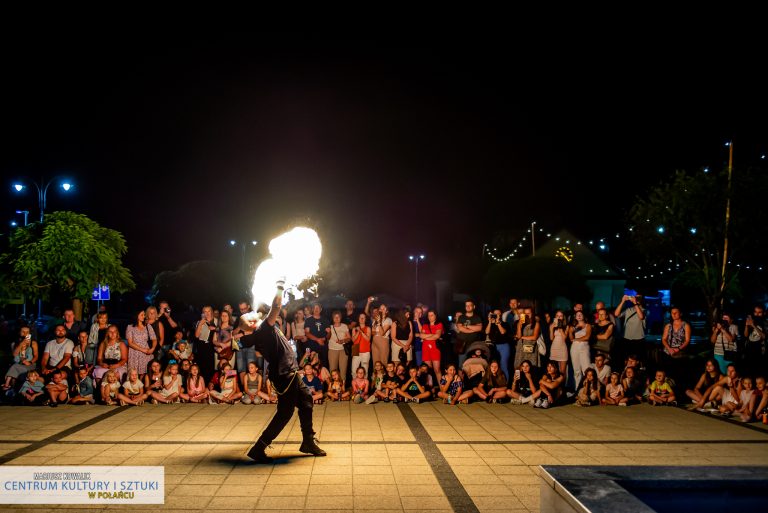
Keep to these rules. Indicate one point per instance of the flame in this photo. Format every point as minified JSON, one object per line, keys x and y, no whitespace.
{"x":296,"y":256}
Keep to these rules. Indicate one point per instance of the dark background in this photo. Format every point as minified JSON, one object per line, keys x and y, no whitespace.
{"x":387,"y":147}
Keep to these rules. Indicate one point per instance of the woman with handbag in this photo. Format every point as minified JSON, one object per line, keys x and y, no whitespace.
{"x":724,"y":335}
{"x":222,"y":342}
{"x":339,"y":345}
{"x":402,"y":339}
{"x":361,"y":344}
{"x":603,"y":331}
{"x":380,"y":327}
{"x":528,"y":331}
{"x":142,"y":343}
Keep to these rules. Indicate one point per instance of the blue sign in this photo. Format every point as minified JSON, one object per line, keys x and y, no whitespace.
{"x":100,"y":293}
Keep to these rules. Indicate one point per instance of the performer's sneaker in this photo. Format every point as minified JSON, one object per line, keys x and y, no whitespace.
{"x":310,"y":447}
{"x":257,"y":453}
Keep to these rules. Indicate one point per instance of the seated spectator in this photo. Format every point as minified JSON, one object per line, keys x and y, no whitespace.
{"x":184,"y":366}
{"x":603,"y":369}
{"x":523,"y":389}
{"x":171,"y":389}
{"x":320,"y":370}
{"x":181,"y":349}
{"x":747,"y":401}
{"x":133,"y":390}
{"x":252,"y":382}
{"x":96,"y":336}
{"x":80,"y":349}
{"x":661,"y":392}
{"x":112,"y":355}
{"x":726,"y":391}
{"x":57,"y":389}
{"x":590,"y":392}
{"x":24,"y":358}
{"x":360,"y":386}
{"x":31,"y":392}
{"x":475,"y":364}
{"x":83,"y":389}
{"x":110,"y":387}
{"x":197,"y":392}
{"x":761,"y":400}
{"x":57,"y":354}
{"x":427,"y":377}
{"x":614,"y":392}
{"x":550,"y":388}
{"x":228,"y":391}
{"x":705,"y":385}
{"x":633,"y":388}
{"x":153,"y":380}
{"x":389,"y":383}
{"x":313,"y":383}
{"x":413,"y":390}
{"x":493,"y":385}
{"x":377,"y":380}
{"x":337,"y":390}
{"x":451,"y":386}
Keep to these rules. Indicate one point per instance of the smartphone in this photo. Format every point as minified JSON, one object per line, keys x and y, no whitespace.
{"x":28,"y":337}
{"x":231,"y":373}
{"x":517,"y":374}
{"x":450,"y":318}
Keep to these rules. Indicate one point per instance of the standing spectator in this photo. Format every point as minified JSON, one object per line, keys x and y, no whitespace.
{"x":603,"y":333}
{"x":724,"y":335}
{"x":142,"y":343}
{"x":431,"y":333}
{"x":350,"y":314}
{"x":417,"y":321}
{"x":402,"y":339}
{"x":170,"y":327}
{"x":381,"y":326}
{"x":158,"y":328}
{"x":496,"y":331}
{"x":111,"y":355}
{"x":755,"y":330}
{"x":632,"y":314}
{"x":528,"y":331}
{"x":205,"y":331}
{"x":469,"y":327}
{"x":72,"y":326}
{"x":505,"y":317}
{"x":579,"y":333}
{"x":57,"y":354}
{"x":96,"y":336}
{"x":222,"y":342}
{"x":316,"y":329}
{"x":337,"y":352}
{"x":361,"y":345}
{"x":297,"y":333}
{"x":24,"y":358}
{"x":558,"y":351}
{"x":677,"y":335}
{"x":243,"y":335}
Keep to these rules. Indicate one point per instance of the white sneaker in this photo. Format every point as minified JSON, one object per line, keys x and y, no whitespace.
{"x":415,"y":400}
{"x":622,"y":404}
{"x":516,"y":401}
{"x":526,"y":400}
{"x":545,"y":404}
{"x":537,"y":404}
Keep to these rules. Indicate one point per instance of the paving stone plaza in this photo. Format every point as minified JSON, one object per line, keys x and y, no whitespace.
{"x":382,"y":457}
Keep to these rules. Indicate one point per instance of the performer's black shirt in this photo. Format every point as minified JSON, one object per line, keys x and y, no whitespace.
{"x":274,"y":347}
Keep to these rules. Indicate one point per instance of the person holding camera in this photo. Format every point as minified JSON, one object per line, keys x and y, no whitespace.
{"x":496,"y":332}
{"x":170,"y":327}
{"x":755,"y":330}
{"x":723,"y":337}
{"x":205,"y":331}
{"x":291,"y":390}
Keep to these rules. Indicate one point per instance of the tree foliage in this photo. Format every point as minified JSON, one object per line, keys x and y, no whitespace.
{"x":541,"y":278}
{"x":683,"y":219}
{"x":69,"y":252}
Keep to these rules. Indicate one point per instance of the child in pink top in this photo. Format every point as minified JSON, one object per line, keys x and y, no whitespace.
{"x":359,"y":386}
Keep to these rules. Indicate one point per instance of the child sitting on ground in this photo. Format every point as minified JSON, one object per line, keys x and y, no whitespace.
{"x":359,"y":386}
{"x":197,"y":392}
{"x":31,"y":392}
{"x":614,"y":392}
{"x":58,"y":389}
{"x":413,"y":390}
{"x":590,"y":392}
{"x":746,"y":400}
{"x":82,"y":391}
{"x":133,"y":390}
{"x":169,"y":392}
{"x":377,"y":380}
{"x":661,"y":392}
{"x":229,"y":391}
{"x":110,"y":386}
{"x":336,"y":390}
{"x":313,"y":383}
{"x":252,"y":382}
{"x":451,"y":386}
{"x":389,"y":383}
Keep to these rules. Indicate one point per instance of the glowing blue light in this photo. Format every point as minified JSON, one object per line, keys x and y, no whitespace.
{"x":728,"y":143}
{"x":18,"y":187}
{"x":232,"y":243}
{"x":254,"y":242}
{"x":14,"y":224}
{"x":660,"y":229}
{"x":602,"y":247}
{"x":706,"y":170}
{"x":693,"y":231}
{"x":66,"y":186}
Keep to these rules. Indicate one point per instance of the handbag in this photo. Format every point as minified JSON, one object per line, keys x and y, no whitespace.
{"x":541,"y":345}
{"x":347,"y":345}
{"x":604,"y":346}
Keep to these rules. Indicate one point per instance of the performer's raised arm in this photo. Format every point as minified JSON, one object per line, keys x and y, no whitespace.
{"x":277,"y":302}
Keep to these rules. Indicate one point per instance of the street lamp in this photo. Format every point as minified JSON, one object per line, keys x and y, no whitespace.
{"x":416,"y":259}
{"x":243,"y":245}
{"x":42,"y":192}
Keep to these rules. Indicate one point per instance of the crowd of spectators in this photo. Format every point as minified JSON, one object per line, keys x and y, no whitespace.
{"x":372,"y":354}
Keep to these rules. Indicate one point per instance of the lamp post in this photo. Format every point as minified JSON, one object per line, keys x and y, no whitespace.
{"x":26,"y":216}
{"x":243,"y":245}
{"x":42,"y":192}
{"x":533,"y":238}
{"x":416,"y":259}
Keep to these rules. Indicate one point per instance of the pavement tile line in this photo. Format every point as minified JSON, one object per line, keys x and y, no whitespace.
{"x":454,"y":491}
{"x":55,"y":438}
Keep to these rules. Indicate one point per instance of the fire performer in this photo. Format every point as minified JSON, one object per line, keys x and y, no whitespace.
{"x":283,"y":372}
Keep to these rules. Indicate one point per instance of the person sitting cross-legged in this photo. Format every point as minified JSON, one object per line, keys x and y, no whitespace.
{"x":661,"y":392}
{"x":413,"y":390}
{"x":493,"y":385}
{"x":82,"y":389}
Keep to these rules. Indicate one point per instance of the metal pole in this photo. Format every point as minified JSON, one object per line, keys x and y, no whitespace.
{"x":533,"y":241}
{"x":417,"y":280}
{"x":727,"y":222}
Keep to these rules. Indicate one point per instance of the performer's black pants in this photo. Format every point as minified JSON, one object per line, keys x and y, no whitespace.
{"x":296,"y":396}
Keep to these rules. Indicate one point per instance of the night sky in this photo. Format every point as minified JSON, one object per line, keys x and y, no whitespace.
{"x":387,"y":147}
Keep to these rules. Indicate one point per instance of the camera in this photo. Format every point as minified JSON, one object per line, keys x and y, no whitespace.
{"x":493,"y":317}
